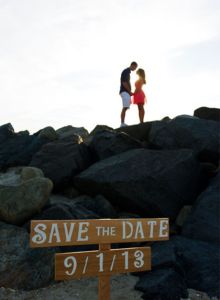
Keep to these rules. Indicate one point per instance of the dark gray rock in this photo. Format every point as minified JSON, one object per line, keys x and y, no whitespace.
{"x":163,"y":284}
{"x":107,"y":143}
{"x":69,"y":132}
{"x":19,"y":203}
{"x":97,"y":129}
{"x":204,"y":221}
{"x":148,"y":182}
{"x":20,"y":266}
{"x":6,"y":131}
{"x":48,"y":133}
{"x":201,"y":264}
{"x":181,"y":263}
{"x":99,"y":205}
{"x":63,"y":211}
{"x":164,"y":255}
{"x":61,"y":160}
{"x":207,"y":113}
{"x":139,"y":131}
{"x":202,"y":136}
{"x":17,"y":149}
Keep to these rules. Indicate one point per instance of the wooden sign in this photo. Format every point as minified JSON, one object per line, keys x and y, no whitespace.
{"x":106,"y":261}
{"x":92,"y":263}
{"x":47,"y":233}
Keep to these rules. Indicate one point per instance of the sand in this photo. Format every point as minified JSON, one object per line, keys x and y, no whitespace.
{"x":122,"y":288}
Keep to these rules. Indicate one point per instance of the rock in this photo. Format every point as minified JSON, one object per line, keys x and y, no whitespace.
{"x":148,"y":182}
{"x":203,"y":222}
{"x":59,"y":199}
{"x":107,"y":143}
{"x":202,"y":136}
{"x":30,"y":172}
{"x":63,"y":211}
{"x":20,"y":200}
{"x":183,"y":215}
{"x":194,"y":262}
{"x":70,"y":192}
{"x":67,"y":132}
{"x":48,"y":133}
{"x":99,"y":205}
{"x":17,"y":149}
{"x":61,"y":160}
{"x":200,"y":262}
{"x":23,"y":132}
{"x":208,"y":113}
{"x":20,"y":266}
{"x":164,"y":256}
{"x":6,"y":131}
{"x":11,"y":178}
{"x":163,"y":284}
{"x":97,"y":129}
{"x":139,"y":132}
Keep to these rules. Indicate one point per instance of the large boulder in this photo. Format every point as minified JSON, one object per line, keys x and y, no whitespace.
{"x":63,"y":211}
{"x":163,"y":284}
{"x":68,"y":132}
{"x":17,"y":149}
{"x":99,"y":205}
{"x":107,"y":143}
{"x":204,"y":221}
{"x":181,"y":263}
{"x":6,"y":131}
{"x":139,"y":131}
{"x":149,"y":182}
{"x":20,"y":266}
{"x":61,"y":160}
{"x":202,"y":136}
{"x":21,"y":197}
{"x":48,"y":133}
{"x":207,"y":113}
{"x":200,"y":262}
{"x":97,"y":129}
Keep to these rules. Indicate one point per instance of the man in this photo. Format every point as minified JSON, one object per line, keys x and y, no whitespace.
{"x":125,"y":90}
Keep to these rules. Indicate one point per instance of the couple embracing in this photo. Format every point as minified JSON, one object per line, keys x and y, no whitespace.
{"x":138,"y":97}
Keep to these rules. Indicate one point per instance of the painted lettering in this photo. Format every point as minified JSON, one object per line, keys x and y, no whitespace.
{"x":163,"y":229}
{"x":54,"y":232}
{"x":40,"y":237}
{"x":139,"y":231}
{"x":126,"y":225}
{"x":83,"y":228}
{"x":68,"y":232}
{"x":152,"y":224}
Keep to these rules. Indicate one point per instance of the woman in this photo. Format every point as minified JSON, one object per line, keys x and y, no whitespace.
{"x":139,"y":97}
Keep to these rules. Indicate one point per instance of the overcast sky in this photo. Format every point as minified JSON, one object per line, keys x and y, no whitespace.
{"x":60,"y":60}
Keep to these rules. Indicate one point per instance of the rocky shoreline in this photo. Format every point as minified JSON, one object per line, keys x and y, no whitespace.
{"x":167,"y":168}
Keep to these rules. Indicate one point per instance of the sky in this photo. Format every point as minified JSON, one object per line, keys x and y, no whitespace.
{"x":61,"y":60}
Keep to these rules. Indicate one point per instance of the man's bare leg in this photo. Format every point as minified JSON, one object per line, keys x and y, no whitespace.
{"x":123,"y":112}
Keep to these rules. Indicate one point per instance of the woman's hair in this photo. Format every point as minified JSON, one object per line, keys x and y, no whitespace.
{"x":141,"y":73}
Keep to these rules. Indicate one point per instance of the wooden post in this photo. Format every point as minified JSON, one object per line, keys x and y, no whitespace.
{"x":104,"y":281}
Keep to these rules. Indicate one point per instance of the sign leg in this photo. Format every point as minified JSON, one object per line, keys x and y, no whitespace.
{"x":104,"y":281}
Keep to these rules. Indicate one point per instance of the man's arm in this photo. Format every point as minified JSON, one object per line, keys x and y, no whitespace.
{"x":127,"y":87}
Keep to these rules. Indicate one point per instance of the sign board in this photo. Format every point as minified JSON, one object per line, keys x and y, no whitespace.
{"x":48,"y":233}
{"x":106,"y":261}
{"x":92,"y":263}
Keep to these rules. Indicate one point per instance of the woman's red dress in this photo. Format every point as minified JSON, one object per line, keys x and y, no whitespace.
{"x":139,"y":96}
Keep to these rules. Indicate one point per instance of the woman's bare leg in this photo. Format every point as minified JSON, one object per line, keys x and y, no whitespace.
{"x":141,"y":112}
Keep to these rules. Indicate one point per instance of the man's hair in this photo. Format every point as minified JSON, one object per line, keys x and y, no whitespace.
{"x":134,"y":63}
